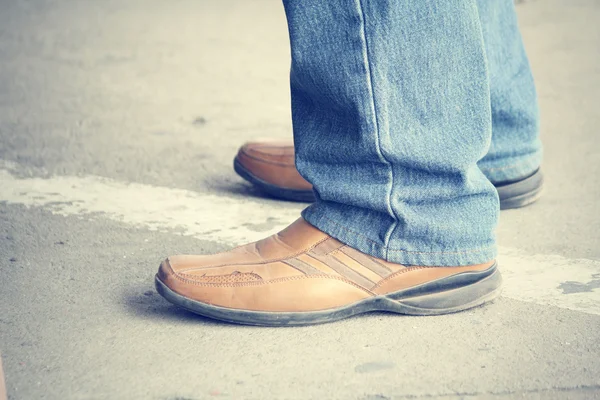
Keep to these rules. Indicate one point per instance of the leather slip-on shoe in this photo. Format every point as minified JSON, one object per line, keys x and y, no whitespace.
{"x":302,"y":276}
{"x":270,"y":167}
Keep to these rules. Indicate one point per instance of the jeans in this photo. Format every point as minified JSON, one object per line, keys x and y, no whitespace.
{"x":404,"y":113}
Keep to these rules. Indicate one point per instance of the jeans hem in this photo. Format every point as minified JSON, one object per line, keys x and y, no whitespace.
{"x":362,"y":240}
{"x":504,"y":170}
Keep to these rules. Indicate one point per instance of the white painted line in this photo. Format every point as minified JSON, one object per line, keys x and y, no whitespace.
{"x":551,"y":280}
{"x":543,"y":279}
{"x":203,"y":216}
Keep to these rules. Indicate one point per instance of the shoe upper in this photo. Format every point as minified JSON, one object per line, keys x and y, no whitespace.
{"x":298,"y":269}
{"x":273,"y":163}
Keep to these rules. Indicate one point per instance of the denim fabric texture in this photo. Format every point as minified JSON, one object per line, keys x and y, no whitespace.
{"x":516,"y":150}
{"x":392,"y":111}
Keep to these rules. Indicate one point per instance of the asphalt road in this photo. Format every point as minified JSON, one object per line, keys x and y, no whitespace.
{"x":118,"y":124}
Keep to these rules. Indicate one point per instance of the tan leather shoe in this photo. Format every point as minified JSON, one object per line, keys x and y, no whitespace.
{"x":303,"y":276}
{"x":269,"y":165}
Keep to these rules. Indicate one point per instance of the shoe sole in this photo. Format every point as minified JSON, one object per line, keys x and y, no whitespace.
{"x":522,"y":192}
{"x":512,"y":195}
{"x":443,"y":296}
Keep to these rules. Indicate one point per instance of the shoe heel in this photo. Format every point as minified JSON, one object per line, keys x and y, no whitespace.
{"x":451,"y":300}
{"x":521,"y":193}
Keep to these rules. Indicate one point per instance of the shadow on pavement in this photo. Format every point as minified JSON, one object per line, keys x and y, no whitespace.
{"x":248,"y":191}
{"x":148,"y":304}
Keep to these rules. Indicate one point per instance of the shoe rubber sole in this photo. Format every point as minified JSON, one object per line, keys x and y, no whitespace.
{"x":520,"y":193}
{"x":443,"y":296}
{"x":515,"y":194}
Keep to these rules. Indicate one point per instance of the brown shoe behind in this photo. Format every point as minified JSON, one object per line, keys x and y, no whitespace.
{"x":270,"y":166}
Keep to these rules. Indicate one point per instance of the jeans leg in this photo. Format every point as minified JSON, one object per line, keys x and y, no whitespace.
{"x":516,"y":150}
{"x":391,"y":113}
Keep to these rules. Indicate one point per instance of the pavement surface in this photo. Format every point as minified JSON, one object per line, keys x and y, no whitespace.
{"x":118,"y":124}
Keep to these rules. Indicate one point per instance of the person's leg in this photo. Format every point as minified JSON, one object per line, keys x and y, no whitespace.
{"x":515,"y":151}
{"x":391,"y":113}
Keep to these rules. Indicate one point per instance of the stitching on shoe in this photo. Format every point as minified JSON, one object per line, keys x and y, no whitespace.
{"x":206,"y":278}
{"x":185,"y":278}
{"x":257,"y":263}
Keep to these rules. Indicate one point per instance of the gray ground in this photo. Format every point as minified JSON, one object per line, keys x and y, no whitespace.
{"x":162,"y":93}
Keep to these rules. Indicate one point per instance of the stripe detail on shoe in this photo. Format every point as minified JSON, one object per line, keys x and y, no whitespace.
{"x":327,"y":247}
{"x":366,"y":261}
{"x":302,"y":266}
{"x":350,"y":263}
{"x":322,"y":267}
{"x":344,"y":270}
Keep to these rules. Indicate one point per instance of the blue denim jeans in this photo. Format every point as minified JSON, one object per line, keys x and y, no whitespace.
{"x":404,"y":113}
